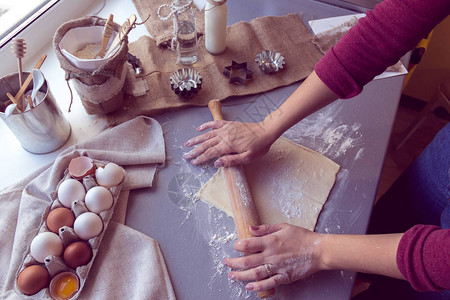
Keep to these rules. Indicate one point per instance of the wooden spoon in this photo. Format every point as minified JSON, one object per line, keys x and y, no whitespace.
{"x":107,"y":32}
{"x":126,"y":27}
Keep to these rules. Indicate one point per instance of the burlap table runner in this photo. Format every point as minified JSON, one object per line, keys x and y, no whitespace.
{"x":162,"y":31}
{"x":129,"y":264}
{"x":287,"y":35}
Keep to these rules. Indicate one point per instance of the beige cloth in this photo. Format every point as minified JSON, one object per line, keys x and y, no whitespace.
{"x":327,"y":39}
{"x":135,"y":269}
{"x":287,"y":35}
{"x":162,"y":31}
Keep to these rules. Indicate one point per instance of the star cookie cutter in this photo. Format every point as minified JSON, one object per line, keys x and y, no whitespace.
{"x":269,"y":61}
{"x":186,"y":82}
{"x":238,"y":72}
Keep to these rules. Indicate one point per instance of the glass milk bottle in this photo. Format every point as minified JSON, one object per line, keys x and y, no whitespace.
{"x":215,"y":26}
{"x":186,"y":33}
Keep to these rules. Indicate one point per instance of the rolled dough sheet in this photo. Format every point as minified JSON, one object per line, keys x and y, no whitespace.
{"x":289,"y":184}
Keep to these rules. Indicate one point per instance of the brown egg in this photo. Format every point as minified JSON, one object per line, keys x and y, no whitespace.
{"x":81,"y":166}
{"x":33,"y":279}
{"x":77,"y":254}
{"x":60,"y":217}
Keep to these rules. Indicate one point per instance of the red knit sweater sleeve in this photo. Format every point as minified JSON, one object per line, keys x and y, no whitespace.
{"x":377,"y":41}
{"x":423,"y":257}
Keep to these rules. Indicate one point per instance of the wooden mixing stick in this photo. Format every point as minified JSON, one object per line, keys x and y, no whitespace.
{"x":107,"y":32}
{"x":11,"y":98}
{"x":30,"y":101}
{"x":244,"y":210}
{"x":124,"y":30}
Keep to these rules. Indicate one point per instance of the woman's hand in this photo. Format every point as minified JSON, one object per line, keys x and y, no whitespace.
{"x":283,"y":253}
{"x":278,"y":254}
{"x":239,"y":143}
{"x":234,"y":142}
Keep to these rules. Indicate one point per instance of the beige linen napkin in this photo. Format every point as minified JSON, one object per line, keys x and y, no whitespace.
{"x":129,"y":265}
{"x":327,"y":39}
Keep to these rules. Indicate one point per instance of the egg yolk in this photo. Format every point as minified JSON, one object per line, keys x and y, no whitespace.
{"x":66,"y":287}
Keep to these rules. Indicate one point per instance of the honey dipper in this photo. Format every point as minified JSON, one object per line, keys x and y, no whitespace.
{"x":107,"y":32}
{"x":18,"y":49}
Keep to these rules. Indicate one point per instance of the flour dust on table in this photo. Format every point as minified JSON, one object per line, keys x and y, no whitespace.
{"x":221,"y":236}
{"x":326,"y":133}
{"x":213,"y":225}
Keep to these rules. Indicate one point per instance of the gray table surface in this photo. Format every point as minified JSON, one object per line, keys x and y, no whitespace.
{"x":194,"y":236}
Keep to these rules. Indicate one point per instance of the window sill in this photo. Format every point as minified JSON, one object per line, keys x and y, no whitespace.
{"x":39,"y":34}
{"x":17,"y":162}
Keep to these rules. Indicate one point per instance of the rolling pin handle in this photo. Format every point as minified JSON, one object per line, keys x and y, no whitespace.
{"x":266,"y":294}
{"x":216,"y":109}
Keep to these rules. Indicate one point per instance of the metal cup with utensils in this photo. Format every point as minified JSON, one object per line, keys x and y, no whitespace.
{"x":40,"y":129}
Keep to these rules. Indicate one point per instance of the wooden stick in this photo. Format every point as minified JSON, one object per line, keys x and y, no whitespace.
{"x":19,"y":108}
{"x":18,"y":48}
{"x":244,"y":210}
{"x":126,"y":27}
{"x":19,"y":66}
{"x":107,"y":32}
{"x":30,"y":77}
{"x":30,"y":101}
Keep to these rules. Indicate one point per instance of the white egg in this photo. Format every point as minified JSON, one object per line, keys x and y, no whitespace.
{"x":98,"y":199}
{"x":45,"y":244}
{"x":70,"y":190}
{"x":88,"y":225}
{"x":110,"y":175}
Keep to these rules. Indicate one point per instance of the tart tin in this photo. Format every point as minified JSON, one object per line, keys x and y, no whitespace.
{"x":186,"y":82}
{"x":269,"y":61}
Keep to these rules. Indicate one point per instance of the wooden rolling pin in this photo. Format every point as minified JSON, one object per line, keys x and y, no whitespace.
{"x":244,"y":210}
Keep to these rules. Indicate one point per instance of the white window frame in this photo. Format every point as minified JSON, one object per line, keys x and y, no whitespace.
{"x":39,"y":33}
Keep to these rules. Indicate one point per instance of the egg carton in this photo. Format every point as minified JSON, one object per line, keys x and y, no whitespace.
{"x":55,"y":264}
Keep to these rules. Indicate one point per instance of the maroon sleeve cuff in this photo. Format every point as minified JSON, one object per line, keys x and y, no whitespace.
{"x":423,"y":257}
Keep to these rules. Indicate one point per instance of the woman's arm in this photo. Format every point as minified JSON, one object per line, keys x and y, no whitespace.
{"x":374,"y":254}
{"x":377,"y":41}
{"x":291,"y":253}
{"x":242,"y":142}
